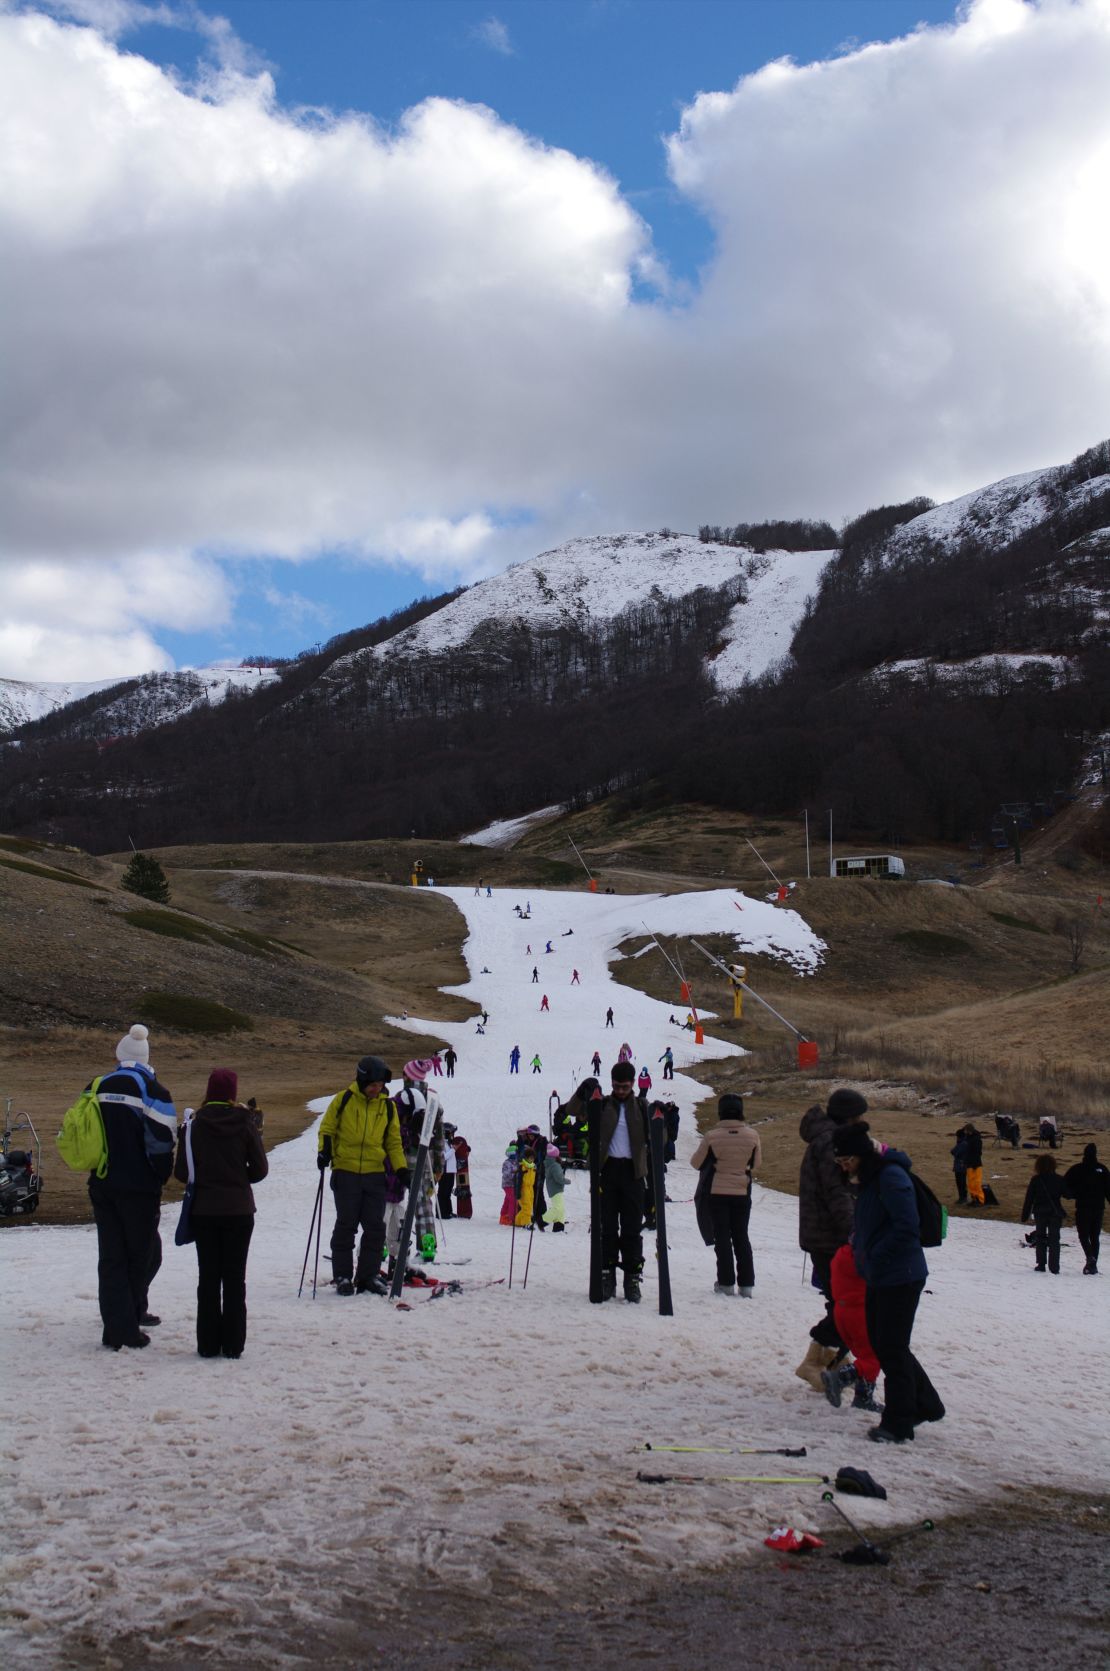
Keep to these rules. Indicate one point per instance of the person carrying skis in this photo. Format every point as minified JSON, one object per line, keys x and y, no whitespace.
{"x":359,"y":1136}
{"x":414,"y":1098}
{"x":1043,"y":1205}
{"x":734,"y":1149}
{"x":536,"y":1064}
{"x":1088,"y":1185}
{"x":544,"y":1005}
{"x":623,"y":1158}
{"x":667,"y":1060}
{"x":514,"y":1059}
{"x":595,"y":1062}
{"x":140,"y":1125}
{"x":889,"y":1256}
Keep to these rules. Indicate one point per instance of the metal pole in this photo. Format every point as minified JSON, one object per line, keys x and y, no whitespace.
{"x":762,"y":860}
{"x":808,"y":871}
{"x":831,"y":870}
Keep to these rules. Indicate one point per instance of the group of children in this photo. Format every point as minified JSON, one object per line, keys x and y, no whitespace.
{"x":534,"y":1180}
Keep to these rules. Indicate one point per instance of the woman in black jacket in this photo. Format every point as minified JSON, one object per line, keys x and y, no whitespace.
{"x":1043,"y":1205}
{"x":228,"y":1157}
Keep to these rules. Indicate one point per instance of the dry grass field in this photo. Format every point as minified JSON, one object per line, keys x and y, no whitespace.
{"x":941,"y":1003}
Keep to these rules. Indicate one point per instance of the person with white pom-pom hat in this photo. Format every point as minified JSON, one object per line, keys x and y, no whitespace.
{"x":140,"y":1126}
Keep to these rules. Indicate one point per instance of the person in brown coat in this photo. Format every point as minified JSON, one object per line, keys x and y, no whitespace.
{"x":735,"y":1151}
{"x":826,"y":1209}
{"x":228,"y":1158}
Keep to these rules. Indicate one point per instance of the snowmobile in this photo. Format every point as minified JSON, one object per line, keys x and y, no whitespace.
{"x":20,"y":1168}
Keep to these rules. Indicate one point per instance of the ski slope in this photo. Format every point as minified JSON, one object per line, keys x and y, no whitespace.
{"x":188,"y":1511}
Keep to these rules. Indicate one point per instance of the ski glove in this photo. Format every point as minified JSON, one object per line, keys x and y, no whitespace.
{"x":323,"y":1159}
{"x":402,"y":1176}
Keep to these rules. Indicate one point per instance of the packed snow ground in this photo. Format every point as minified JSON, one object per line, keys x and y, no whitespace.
{"x":226,"y":1512}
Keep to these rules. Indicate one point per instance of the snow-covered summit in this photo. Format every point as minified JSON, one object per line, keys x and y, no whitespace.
{"x":153,"y":699}
{"x":592,"y":579}
{"x":997,"y":513}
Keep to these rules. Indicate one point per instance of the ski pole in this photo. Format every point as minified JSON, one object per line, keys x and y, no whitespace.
{"x":512,"y":1250}
{"x":729,"y":1450}
{"x":439,"y":1215}
{"x":731,"y":1479}
{"x":528,"y":1260}
{"x":317,"y":1207}
{"x":319,"y":1227}
{"x":874,"y":1555}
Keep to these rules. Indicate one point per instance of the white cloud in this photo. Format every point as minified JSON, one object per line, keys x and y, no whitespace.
{"x":494,"y":34}
{"x":231,"y":332}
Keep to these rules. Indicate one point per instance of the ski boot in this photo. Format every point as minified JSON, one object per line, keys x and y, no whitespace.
{"x":428,"y":1246}
{"x":836,"y":1381}
{"x":746,"y":1293}
{"x":608,"y":1282}
{"x":863,"y":1398}
{"x":726,"y":1288}
{"x":344,"y":1286}
{"x":371,"y":1285}
{"x":632,"y":1290}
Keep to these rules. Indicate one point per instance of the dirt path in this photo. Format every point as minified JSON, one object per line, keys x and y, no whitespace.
{"x":979,"y":1588}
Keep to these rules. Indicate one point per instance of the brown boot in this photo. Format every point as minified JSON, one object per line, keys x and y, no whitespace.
{"x":816,"y":1359}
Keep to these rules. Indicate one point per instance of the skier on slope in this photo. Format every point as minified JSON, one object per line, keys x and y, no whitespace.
{"x":595,"y":1062}
{"x":544,"y":1005}
{"x":514,"y":1059}
{"x":574,"y":980}
{"x":536,"y":1065}
{"x":667,"y":1060}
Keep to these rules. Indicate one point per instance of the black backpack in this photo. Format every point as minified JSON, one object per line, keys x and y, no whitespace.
{"x":932,"y":1216}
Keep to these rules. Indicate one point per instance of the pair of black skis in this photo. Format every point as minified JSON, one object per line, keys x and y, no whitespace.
{"x":656,"y":1135}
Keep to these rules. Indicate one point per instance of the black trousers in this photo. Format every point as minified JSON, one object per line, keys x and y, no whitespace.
{"x":1088,"y":1227}
{"x":668,"y":1070}
{"x":359,"y":1200}
{"x":622,"y":1217}
{"x":730,"y":1215}
{"x":825,"y":1333}
{"x":909,"y":1395}
{"x":126,"y":1227}
{"x":446,"y":1188}
{"x":960,"y":1175}
{"x":1046,"y":1241}
{"x":222,"y":1243}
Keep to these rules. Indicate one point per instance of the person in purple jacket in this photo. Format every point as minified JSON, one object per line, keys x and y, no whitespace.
{"x":886,"y":1238}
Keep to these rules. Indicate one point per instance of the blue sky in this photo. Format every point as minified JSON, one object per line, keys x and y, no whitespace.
{"x":323,"y":305}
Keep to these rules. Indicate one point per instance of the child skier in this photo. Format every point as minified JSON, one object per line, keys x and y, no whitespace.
{"x":643,"y":1083}
{"x":555,"y":1177}
{"x":508,"y":1184}
{"x":849,"y":1292}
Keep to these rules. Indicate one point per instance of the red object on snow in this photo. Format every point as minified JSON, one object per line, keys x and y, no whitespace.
{"x":792,"y":1542}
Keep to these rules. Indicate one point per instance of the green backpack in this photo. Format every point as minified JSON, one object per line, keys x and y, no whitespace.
{"x":81,"y":1142}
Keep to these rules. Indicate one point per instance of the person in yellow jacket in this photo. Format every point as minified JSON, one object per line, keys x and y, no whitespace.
{"x":358,"y":1134}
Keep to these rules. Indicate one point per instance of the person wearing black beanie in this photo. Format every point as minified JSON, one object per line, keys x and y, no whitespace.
{"x":825,"y":1209}
{"x":886,"y":1241}
{"x":1088,"y":1185}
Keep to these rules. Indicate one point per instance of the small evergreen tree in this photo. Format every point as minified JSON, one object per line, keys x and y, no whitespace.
{"x":145,"y":876}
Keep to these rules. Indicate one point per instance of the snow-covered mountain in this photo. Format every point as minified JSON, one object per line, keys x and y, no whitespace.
{"x":153,"y":699}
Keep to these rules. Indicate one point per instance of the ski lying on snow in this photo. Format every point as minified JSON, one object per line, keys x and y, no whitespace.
{"x":730,"y":1450}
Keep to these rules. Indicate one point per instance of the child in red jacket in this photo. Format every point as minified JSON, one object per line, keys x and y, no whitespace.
{"x":849,"y":1293}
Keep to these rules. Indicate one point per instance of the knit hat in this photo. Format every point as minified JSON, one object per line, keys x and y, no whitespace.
{"x":623,"y":1073}
{"x":223,"y":1086}
{"x":845,"y":1105}
{"x":418,"y":1069}
{"x":371,"y":1069}
{"x":730,"y":1107}
{"x":134,"y":1047}
{"x":852,"y":1140}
